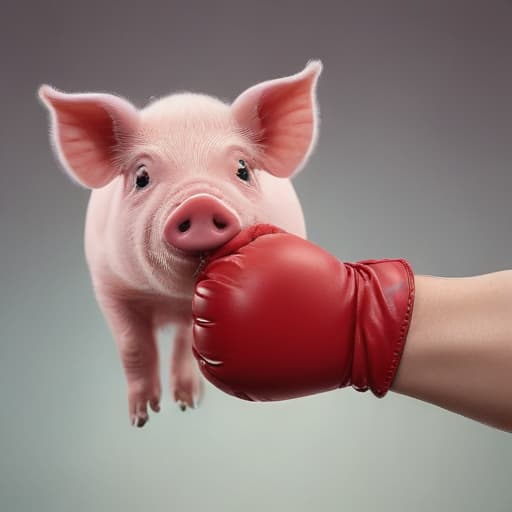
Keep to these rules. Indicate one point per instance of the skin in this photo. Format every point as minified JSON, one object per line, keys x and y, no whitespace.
{"x":458,"y":353}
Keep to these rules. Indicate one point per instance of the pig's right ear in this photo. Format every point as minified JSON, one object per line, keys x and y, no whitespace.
{"x":281,"y":118}
{"x":88,"y":131}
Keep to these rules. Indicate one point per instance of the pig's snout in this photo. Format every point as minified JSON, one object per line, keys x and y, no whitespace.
{"x":201,"y":223}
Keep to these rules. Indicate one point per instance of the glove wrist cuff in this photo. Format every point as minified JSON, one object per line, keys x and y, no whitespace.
{"x":385,"y":299}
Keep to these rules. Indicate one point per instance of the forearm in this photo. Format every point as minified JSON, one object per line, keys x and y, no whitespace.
{"x":458,"y":353}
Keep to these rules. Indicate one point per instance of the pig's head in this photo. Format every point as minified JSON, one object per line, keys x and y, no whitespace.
{"x":188,"y":172}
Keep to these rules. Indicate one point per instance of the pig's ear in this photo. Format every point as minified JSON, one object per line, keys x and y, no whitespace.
{"x":281,"y":117}
{"x":88,"y":131}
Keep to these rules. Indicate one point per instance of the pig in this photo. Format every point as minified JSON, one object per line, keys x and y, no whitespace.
{"x":170,"y":183}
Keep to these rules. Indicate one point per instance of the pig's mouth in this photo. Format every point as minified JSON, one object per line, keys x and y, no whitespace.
{"x":188,"y":255}
{"x":203,"y":257}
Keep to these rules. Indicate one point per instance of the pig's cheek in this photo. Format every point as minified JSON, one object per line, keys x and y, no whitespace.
{"x":248,"y":204}
{"x":137,"y":227}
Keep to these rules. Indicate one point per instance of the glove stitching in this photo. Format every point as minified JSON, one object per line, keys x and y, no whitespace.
{"x":404,"y":329}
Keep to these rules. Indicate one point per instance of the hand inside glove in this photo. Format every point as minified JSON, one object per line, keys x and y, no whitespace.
{"x":277,"y":317}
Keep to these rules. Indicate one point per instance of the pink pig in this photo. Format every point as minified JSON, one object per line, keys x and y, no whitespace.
{"x":172,"y":182}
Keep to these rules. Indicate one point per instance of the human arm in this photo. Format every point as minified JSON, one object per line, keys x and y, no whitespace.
{"x":458,"y":353}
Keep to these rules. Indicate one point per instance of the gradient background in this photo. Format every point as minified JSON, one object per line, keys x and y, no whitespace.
{"x":413,"y":160}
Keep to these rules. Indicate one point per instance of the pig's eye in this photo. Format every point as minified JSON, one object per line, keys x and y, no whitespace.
{"x":141,"y":177}
{"x":243,"y":171}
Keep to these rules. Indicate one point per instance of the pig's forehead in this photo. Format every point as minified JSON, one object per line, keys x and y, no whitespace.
{"x":187,"y":122}
{"x":186,"y":110}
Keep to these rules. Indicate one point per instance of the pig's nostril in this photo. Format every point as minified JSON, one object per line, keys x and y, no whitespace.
{"x":184,"y":226}
{"x":219,"y":224}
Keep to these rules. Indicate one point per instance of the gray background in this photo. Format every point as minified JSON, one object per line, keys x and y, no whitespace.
{"x":413,"y":160}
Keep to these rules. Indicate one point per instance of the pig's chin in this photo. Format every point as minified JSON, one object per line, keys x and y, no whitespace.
{"x":173,"y":271}
{"x":193,"y":260}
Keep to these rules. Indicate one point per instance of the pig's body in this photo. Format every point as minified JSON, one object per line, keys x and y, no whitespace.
{"x":170,"y":183}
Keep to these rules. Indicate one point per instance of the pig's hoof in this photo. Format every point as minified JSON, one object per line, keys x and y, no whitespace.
{"x":188,"y":392}
{"x":141,"y":416}
{"x":139,"y":421}
{"x":140,"y":395}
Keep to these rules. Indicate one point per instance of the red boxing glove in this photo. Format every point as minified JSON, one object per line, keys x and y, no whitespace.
{"x":277,"y":317}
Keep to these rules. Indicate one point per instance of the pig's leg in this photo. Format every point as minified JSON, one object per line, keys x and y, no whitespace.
{"x":134,"y":332}
{"x":186,"y":381}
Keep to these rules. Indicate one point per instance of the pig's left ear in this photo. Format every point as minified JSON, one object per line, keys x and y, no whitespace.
{"x":281,"y":118}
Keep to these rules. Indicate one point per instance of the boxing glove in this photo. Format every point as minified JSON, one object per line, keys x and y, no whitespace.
{"x":277,"y":317}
